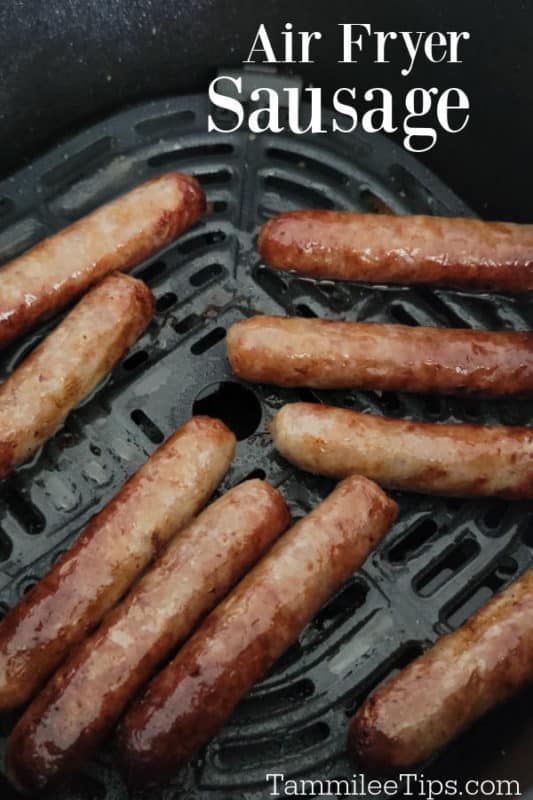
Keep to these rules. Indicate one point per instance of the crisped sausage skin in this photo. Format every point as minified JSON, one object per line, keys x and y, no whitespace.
{"x":116,"y":236}
{"x":115,"y":547}
{"x":467,"y":672}
{"x":325,"y":354}
{"x":85,"y":697}
{"x":68,"y":364}
{"x":456,"y":460}
{"x":457,"y":252}
{"x":190,"y":699}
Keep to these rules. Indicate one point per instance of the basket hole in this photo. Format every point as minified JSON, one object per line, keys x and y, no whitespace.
{"x":272,"y":283}
{"x":303,"y":310}
{"x":208,"y":341}
{"x":29,"y":586}
{"x":165,"y":124}
{"x":269,"y":751}
{"x":445,"y":567}
{"x":342,"y":606}
{"x":373,"y":203}
{"x":200,"y":241}
{"x":255,"y":474}
{"x":6,"y":546}
{"x":302,"y":194}
{"x":218,"y":206}
{"x":24,"y":511}
{"x":506,"y":567}
{"x":136,"y":360}
{"x":266,"y":703}
{"x":74,"y":167}
{"x":187,"y":323}
{"x":306,"y":162}
{"x":233,"y":403}
{"x":206,"y":274}
{"x":289,"y":657}
{"x":149,"y":428}
{"x":152,"y":271}
{"x":481,"y":593}
{"x":413,"y":541}
{"x":401,"y":315}
{"x":493,"y":517}
{"x":214,"y":176}
{"x":166,"y":301}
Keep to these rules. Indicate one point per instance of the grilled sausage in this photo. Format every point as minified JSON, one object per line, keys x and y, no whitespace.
{"x":323,"y":354}
{"x":453,"y":460}
{"x":116,"y":236}
{"x":190,"y":699}
{"x":84,"y":699}
{"x":68,"y":364}
{"x":467,"y":672}
{"x":463,"y":253}
{"x":113,"y":550}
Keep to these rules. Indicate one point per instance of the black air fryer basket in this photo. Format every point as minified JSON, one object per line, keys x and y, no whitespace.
{"x":440,"y":562}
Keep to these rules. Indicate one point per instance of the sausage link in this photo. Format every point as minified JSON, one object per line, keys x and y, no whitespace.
{"x":68,"y":364}
{"x":86,"y":696}
{"x":190,"y":699}
{"x":113,"y":550}
{"x":467,"y":672}
{"x":381,"y":248}
{"x":322,"y":354}
{"x":451,"y":460}
{"x":116,"y":236}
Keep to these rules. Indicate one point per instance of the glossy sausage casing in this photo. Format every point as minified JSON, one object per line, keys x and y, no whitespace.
{"x":382,"y":248}
{"x":445,"y":690}
{"x":68,"y":364}
{"x":322,"y":354}
{"x":116,"y":546}
{"x":116,"y":236}
{"x":85,"y":697}
{"x":457,"y":460}
{"x":190,"y":699}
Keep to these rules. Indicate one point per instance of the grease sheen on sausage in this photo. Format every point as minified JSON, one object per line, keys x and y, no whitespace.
{"x":86,"y":696}
{"x":441,"y":693}
{"x":68,"y":364}
{"x":323,"y":354}
{"x":115,"y":547}
{"x":116,"y":236}
{"x":241,"y":639}
{"x":382,"y":248}
{"x":457,"y":460}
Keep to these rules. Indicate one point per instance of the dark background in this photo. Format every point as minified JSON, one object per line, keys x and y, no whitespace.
{"x":67,"y":62}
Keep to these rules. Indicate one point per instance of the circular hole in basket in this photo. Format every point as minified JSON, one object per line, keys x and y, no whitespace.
{"x":233,"y":403}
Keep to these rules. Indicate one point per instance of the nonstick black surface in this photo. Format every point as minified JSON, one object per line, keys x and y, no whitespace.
{"x":442,"y":559}
{"x":66,"y":63}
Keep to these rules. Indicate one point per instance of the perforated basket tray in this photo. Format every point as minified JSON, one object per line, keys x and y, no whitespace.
{"x":443,"y":558}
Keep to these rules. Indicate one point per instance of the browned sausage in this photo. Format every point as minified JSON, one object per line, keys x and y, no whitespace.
{"x":424,"y":707}
{"x":190,"y":699}
{"x":113,"y":550}
{"x":68,"y":364}
{"x":116,"y":236}
{"x":84,"y":699}
{"x":291,"y":351}
{"x":464,"y":253}
{"x":455,"y":460}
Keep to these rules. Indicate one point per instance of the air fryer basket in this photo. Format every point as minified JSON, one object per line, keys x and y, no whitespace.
{"x":443,"y":558}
